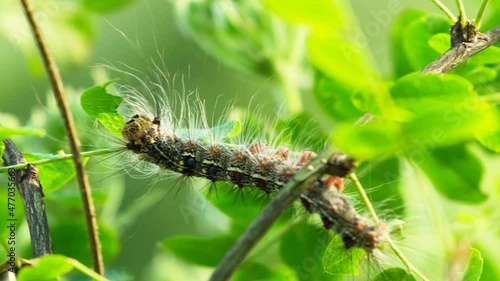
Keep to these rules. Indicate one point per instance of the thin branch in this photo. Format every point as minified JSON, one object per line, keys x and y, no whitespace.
{"x":364,"y":197}
{"x":405,"y":260}
{"x":59,"y":158}
{"x":82,"y":268}
{"x":31,"y":193}
{"x":58,"y":88}
{"x":445,"y":10}
{"x":461,"y":9}
{"x":462,"y":52}
{"x":273,"y":210}
{"x":480,"y":13}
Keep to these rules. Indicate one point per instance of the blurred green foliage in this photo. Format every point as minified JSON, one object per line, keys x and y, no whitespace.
{"x":429,"y":149}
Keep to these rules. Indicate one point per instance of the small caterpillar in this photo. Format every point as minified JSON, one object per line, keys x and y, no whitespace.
{"x":255,"y":166}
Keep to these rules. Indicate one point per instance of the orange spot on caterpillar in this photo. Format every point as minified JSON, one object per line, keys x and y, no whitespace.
{"x":336,"y":182}
{"x":214,"y":150}
{"x":282,"y":153}
{"x":257,"y":148}
{"x":306,"y":156}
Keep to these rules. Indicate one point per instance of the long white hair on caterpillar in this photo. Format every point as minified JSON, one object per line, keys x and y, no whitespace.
{"x":180,"y":141}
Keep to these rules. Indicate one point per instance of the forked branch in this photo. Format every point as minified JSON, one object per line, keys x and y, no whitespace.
{"x":462,"y":50}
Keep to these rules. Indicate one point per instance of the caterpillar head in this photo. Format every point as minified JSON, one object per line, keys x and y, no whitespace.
{"x":140,"y":129}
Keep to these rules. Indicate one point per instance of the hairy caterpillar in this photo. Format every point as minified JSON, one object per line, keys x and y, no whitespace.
{"x":203,"y":153}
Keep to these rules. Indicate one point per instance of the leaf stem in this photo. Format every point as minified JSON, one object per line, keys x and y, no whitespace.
{"x":85,"y":270}
{"x":405,"y":261}
{"x":445,"y":10}
{"x":480,"y":14}
{"x":58,"y":158}
{"x":393,"y":245}
{"x":364,"y":197}
{"x":463,"y":16}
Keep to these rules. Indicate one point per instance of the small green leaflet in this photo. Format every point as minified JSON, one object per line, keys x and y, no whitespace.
{"x":394,"y":273}
{"x":475,"y":267}
{"x":209,"y":251}
{"x":338,"y":260}
{"x":455,"y":172}
{"x":52,"y":267}
{"x":101,"y":105}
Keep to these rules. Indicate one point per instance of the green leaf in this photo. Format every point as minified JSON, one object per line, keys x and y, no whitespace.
{"x":421,"y":93}
{"x":377,"y":139}
{"x":416,"y":37}
{"x":489,"y":256}
{"x":384,"y":178}
{"x":394,"y":273}
{"x":345,"y":64}
{"x":490,"y":55}
{"x":490,"y":137}
{"x":336,"y":99}
{"x":7,"y":182}
{"x":302,"y":247}
{"x":68,"y":234}
{"x":106,"y":6}
{"x":455,"y":172}
{"x":255,"y":271}
{"x":209,"y":251}
{"x":240,"y":205}
{"x":291,"y":131}
{"x":99,"y":104}
{"x":338,"y":260}
{"x":319,"y":13}
{"x":235,"y":33}
{"x":438,"y":129}
{"x":71,"y":199}
{"x":440,"y":42}
{"x":441,"y":111}
{"x":400,"y":57}
{"x":8,"y":132}
{"x":46,"y":268}
{"x":491,"y":140}
{"x":446,"y":110}
{"x":53,"y":175}
{"x":53,"y":267}
{"x":479,"y":75}
{"x":475,"y":266}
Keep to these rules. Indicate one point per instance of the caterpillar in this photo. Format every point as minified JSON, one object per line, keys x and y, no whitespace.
{"x":256,"y":166}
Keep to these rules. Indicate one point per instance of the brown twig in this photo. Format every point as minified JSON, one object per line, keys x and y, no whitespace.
{"x":462,"y":50}
{"x":31,"y":193}
{"x":57,"y":86}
